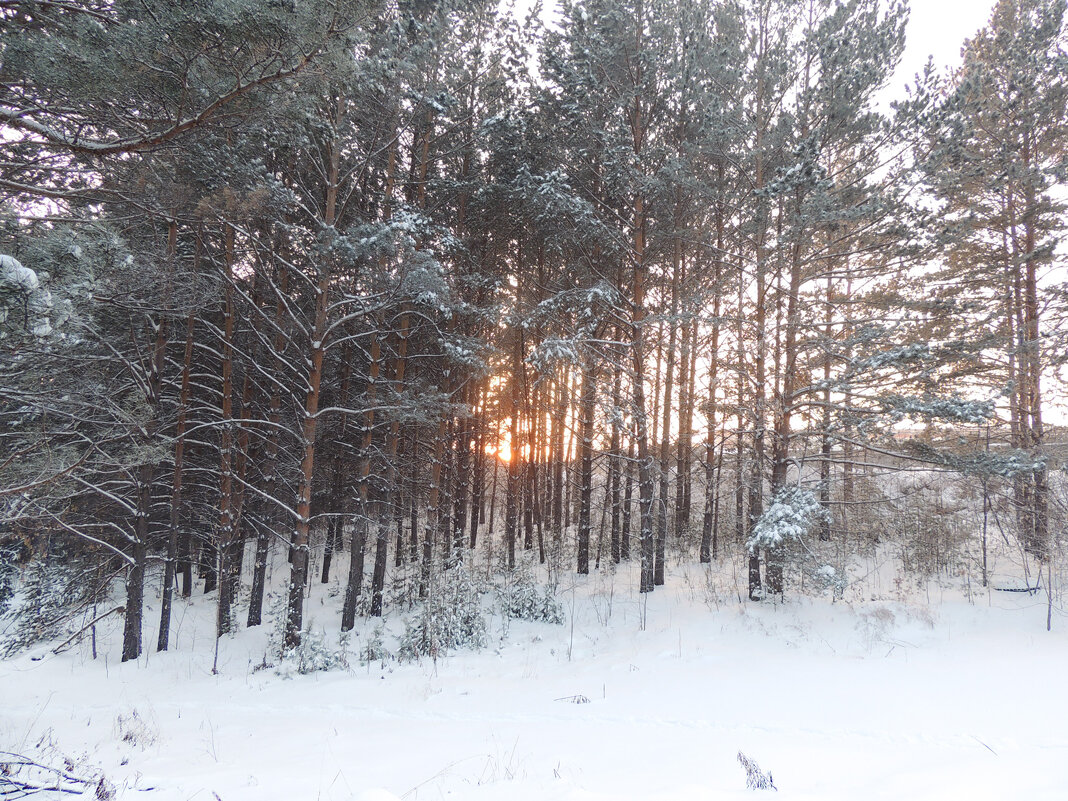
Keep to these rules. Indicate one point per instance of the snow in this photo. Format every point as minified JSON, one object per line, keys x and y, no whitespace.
{"x":790,"y":516}
{"x":15,"y":275}
{"x":888,"y":695}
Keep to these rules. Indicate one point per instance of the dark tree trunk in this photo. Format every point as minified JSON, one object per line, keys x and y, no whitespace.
{"x":511,"y":498}
{"x":628,"y":502}
{"x":299,"y":567}
{"x":587,"y":406}
{"x":359,"y":536}
{"x":173,"y":534}
{"x":665,"y":431}
{"x":271,"y":483}
{"x":135,"y":579}
{"x":615,"y":458}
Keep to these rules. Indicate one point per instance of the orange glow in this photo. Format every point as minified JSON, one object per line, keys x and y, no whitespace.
{"x":502,"y":450}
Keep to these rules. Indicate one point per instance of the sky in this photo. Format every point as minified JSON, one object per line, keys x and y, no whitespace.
{"x":938,"y":28}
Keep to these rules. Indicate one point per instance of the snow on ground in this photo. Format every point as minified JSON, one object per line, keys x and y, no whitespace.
{"x":960,"y":696}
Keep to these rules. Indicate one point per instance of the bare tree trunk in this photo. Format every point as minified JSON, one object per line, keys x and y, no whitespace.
{"x":587,"y":404}
{"x":559,"y":423}
{"x":784,"y":407}
{"x":433,"y":510}
{"x":511,"y":502}
{"x":825,"y":433}
{"x":478,"y":469}
{"x":740,"y":518}
{"x":298,"y":570}
{"x":393,"y":506}
{"x":336,"y":502}
{"x":530,"y":515}
{"x":462,"y":481}
{"x":270,"y":471}
{"x":1032,"y":359}
{"x":145,"y":476}
{"x":226,"y":447}
{"x":230,"y":579}
{"x":628,"y":502}
{"x":359,"y":534}
{"x":135,"y":578}
{"x":614,"y":465}
{"x":641,"y":426}
{"x":413,"y":551}
{"x":645,"y":457}
{"x":534,"y":467}
{"x":710,"y":518}
{"x":756,"y":481}
{"x":665,"y":431}
{"x":685,"y":438}
{"x":711,"y":496}
{"x":167,"y":599}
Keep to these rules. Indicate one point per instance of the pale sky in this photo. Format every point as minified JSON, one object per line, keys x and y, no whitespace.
{"x":938,"y":28}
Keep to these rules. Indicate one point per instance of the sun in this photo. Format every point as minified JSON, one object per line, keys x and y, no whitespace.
{"x":502,"y":450}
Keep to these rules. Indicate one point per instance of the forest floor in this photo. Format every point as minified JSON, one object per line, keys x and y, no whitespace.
{"x":900,"y":694}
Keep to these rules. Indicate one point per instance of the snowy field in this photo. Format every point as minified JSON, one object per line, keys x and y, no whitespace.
{"x":941,"y":694}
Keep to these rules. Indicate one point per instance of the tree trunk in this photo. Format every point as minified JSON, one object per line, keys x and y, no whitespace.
{"x":785,"y":405}
{"x":271,"y":483}
{"x":135,"y":579}
{"x":665,"y":430}
{"x":298,"y":569}
{"x":614,"y":466}
{"x":391,"y":507}
{"x":587,"y":405}
{"x":226,"y":447}
{"x":511,"y":498}
{"x":628,"y":501}
{"x":173,"y":534}
{"x":354,"y":585}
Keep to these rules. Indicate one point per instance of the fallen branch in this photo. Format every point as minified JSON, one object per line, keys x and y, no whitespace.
{"x":86,"y":627}
{"x":1028,"y":590}
{"x":55,"y":780}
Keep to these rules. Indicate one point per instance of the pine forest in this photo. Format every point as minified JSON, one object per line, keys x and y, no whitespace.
{"x":348,"y":335}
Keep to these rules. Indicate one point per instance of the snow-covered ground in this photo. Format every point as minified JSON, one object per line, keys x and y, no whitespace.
{"x":945,"y":695}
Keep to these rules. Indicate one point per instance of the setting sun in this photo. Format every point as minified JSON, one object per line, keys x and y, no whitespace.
{"x":502,"y":450}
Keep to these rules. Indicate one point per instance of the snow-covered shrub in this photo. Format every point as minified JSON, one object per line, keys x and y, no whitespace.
{"x":825,"y":577}
{"x":523,"y":599}
{"x":9,"y":572}
{"x":276,"y":603}
{"x":53,"y":589}
{"x":792,"y":513}
{"x":403,"y":591}
{"x":451,"y":618}
{"x":314,"y":654}
{"x":755,"y":778}
{"x":135,"y":730}
{"x":374,"y":649}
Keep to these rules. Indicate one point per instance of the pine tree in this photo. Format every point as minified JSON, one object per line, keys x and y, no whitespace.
{"x":995,"y":166}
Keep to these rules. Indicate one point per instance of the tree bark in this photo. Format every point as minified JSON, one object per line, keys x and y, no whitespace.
{"x":298,"y":569}
{"x":587,"y":405}
{"x":174,"y":528}
{"x":354,"y":585}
